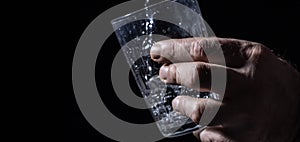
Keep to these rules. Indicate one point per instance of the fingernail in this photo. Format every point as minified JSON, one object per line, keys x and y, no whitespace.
{"x":154,"y":56}
{"x":163,"y":73}
{"x":155,"y":51}
{"x":175,"y":103}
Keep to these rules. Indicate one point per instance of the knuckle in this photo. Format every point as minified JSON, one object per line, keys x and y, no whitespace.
{"x":204,"y":135}
{"x":256,"y":50}
{"x":173,"y":73}
{"x":168,"y":49}
{"x":201,"y":104}
{"x":202,"y":42}
{"x":195,"y":114}
{"x":195,"y":117}
{"x":252,"y":50}
{"x":180,"y":104}
{"x":190,"y":77}
{"x":196,"y":51}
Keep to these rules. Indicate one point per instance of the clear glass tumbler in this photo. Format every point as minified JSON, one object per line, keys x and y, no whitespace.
{"x":136,"y":33}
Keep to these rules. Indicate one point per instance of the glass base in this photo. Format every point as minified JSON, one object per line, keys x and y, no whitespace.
{"x":183,"y":130}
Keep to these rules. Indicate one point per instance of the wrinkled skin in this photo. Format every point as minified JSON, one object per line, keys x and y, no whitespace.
{"x":261,"y":100}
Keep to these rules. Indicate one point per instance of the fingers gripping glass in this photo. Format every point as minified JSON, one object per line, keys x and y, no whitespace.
{"x":136,"y":33}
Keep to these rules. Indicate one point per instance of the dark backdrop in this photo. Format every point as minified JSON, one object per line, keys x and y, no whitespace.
{"x":272,"y":23}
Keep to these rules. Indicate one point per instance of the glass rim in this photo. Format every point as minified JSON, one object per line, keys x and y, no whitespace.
{"x":121,"y":18}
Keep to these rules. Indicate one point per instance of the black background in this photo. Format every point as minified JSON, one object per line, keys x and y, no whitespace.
{"x":272,"y":23}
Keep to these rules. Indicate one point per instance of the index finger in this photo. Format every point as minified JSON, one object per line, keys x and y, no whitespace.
{"x":199,"y":49}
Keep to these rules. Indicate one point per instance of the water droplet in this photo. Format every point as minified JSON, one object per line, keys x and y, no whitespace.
{"x":147,"y":47}
{"x":179,"y":23}
{"x":143,"y":32}
{"x":169,"y":29}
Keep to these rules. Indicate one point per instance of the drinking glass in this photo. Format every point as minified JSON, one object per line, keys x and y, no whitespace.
{"x":136,"y":33}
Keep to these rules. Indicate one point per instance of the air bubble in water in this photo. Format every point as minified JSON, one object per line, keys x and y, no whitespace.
{"x":150,"y":68}
{"x":146,"y":4}
{"x":151,"y":21}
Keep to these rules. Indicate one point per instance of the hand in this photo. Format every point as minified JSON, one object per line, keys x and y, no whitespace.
{"x":261,"y":100}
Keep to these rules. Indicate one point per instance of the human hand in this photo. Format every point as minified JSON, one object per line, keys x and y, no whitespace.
{"x":261,"y":100}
